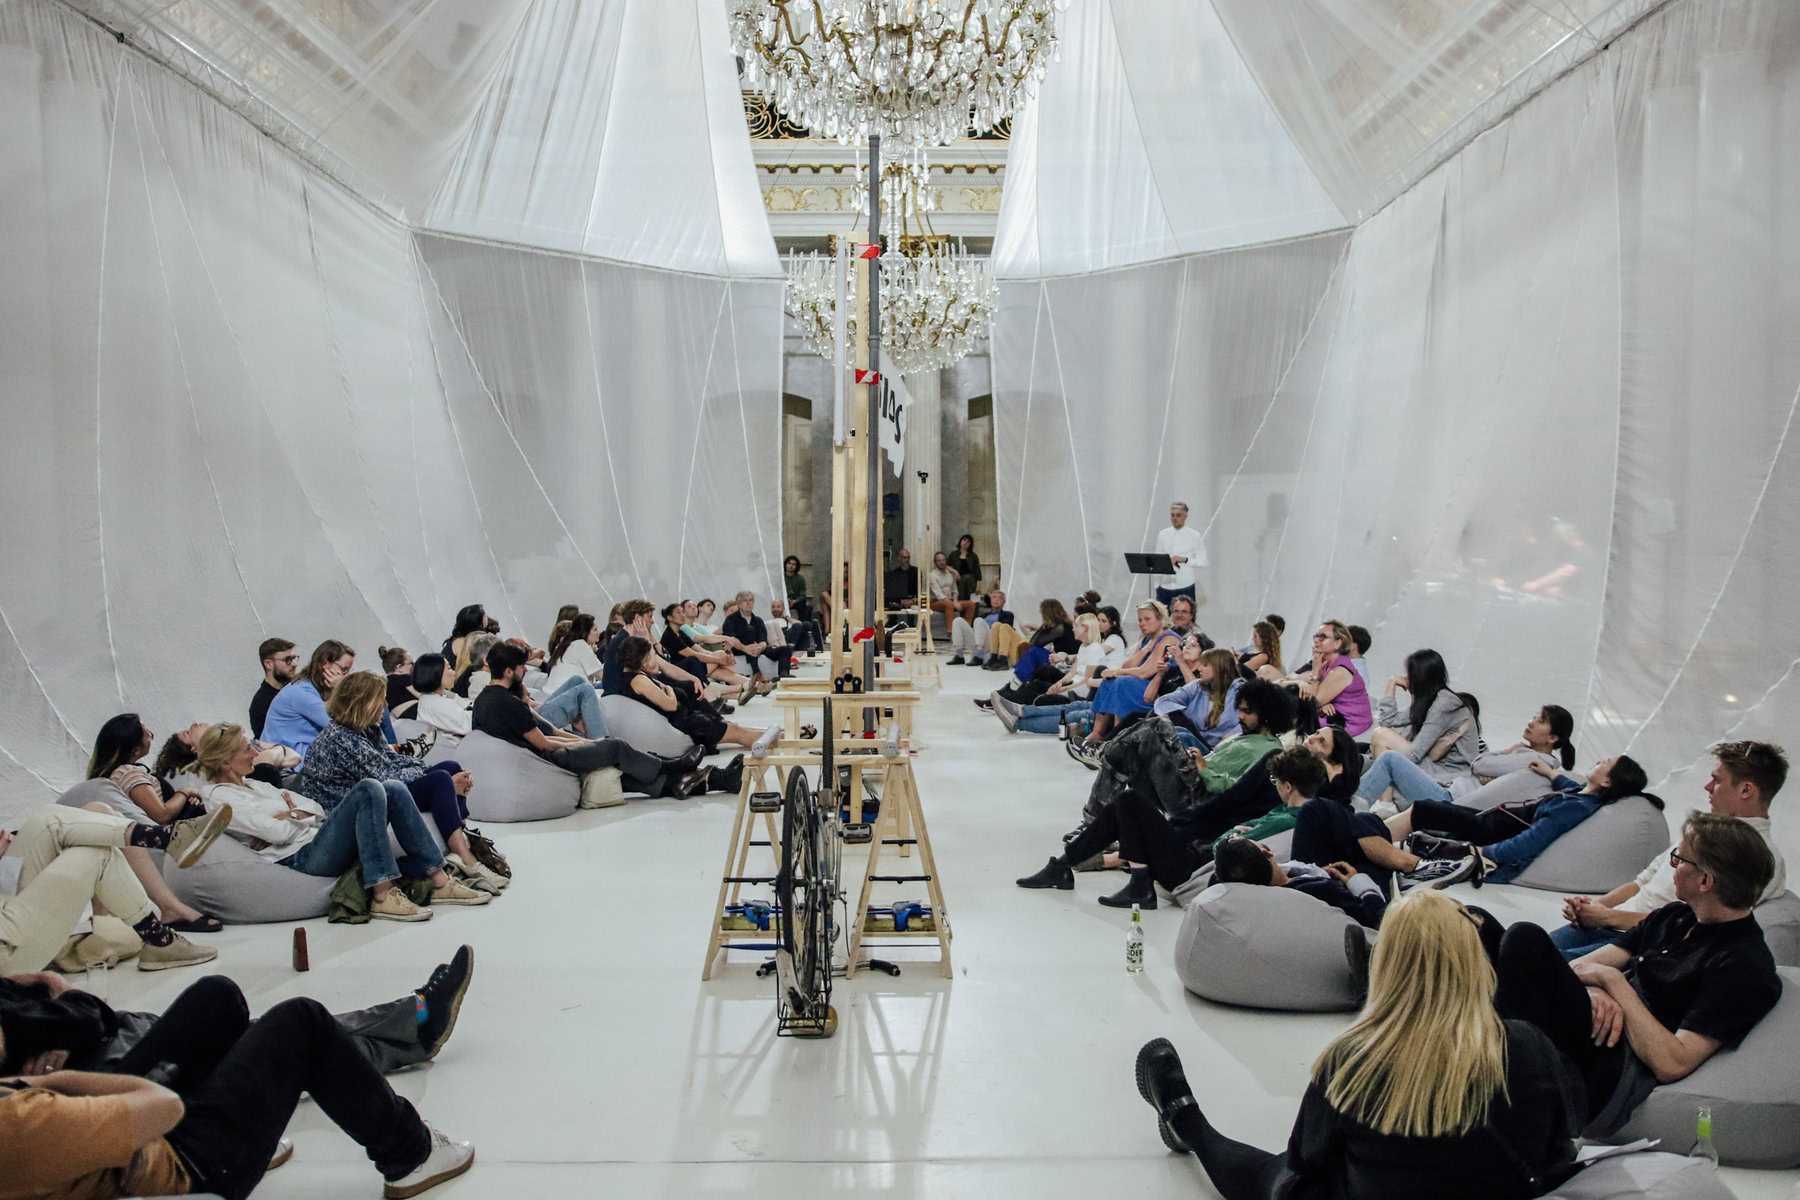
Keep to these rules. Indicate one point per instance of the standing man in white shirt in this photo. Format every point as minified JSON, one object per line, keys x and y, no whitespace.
{"x":1186,"y":549}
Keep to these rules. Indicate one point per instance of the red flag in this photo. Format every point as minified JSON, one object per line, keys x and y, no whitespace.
{"x":868,"y":251}
{"x":870,"y":377}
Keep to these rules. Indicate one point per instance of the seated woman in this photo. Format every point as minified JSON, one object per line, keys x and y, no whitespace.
{"x":1546,"y":740}
{"x":708,"y":729}
{"x":1264,"y":651}
{"x":1053,"y":635}
{"x":1121,"y":690}
{"x":297,"y":714}
{"x":69,"y":858}
{"x":1036,"y":707}
{"x":350,"y":750}
{"x":402,"y":701}
{"x":967,"y":565}
{"x":471,"y":664}
{"x":1694,"y":977}
{"x":574,"y":653}
{"x":1503,"y":841}
{"x":294,"y":831}
{"x":1429,"y":1094}
{"x":1440,"y":730}
{"x":471,"y":618}
{"x":1330,"y":683}
{"x":943,"y":586}
{"x":1204,"y":711}
{"x":440,"y":707}
{"x":175,"y":758}
{"x":119,"y":751}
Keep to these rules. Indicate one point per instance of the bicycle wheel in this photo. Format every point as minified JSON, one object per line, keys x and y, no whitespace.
{"x":803,"y":963}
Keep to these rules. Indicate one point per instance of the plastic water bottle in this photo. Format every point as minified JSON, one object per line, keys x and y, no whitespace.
{"x":1703,"y":1143}
{"x":1134,"y":951}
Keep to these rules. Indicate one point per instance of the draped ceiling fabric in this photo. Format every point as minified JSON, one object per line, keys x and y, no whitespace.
{"x":1535,"y":411}
{"x":317,"y":348}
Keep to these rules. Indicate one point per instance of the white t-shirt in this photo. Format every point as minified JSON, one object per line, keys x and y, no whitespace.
{"x":1187,"y":543}
{"x":578,"y":659}
{"x":445,"y":712}
{"x":1116,"y":653}
{"x":1094,"y":654}
{"x":1656,"y":886}
{"x":261,"y":812}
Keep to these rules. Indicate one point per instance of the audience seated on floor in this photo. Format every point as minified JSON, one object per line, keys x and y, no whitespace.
{"x":1204,"y":709}
{"x":402,"y":701}
{"x":1125,"y":689}
{"x":440,"y":708}
{"x":1330,"y":686}
{"x":709,"y":730}
{"x":1246,"y":860}
{"x":973,"y":641}
{"x":1036,"y":705}
{"x":297,"y":714}
{"x":573,"y":652}
{"x":1744,"y":780}
{"x":1429,"y":1093}
{"x":1439,"y":730}
{"x":295,"y":831}
{"x":750,"y":642}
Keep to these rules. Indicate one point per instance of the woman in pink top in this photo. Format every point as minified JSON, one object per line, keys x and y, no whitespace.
{"x":1336,"y":687}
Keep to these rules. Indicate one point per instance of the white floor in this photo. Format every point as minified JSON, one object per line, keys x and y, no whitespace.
{"x":591,"y":1060}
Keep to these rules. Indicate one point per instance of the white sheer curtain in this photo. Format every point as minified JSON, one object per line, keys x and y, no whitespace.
{"x":1537,"y":415}
{"x":243,"y":402}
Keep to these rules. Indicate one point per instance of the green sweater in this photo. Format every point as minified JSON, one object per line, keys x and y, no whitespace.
{"x":1233,"y":756}
{"x":1264,"y":827}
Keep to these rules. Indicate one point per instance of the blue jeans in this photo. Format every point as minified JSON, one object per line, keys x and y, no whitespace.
{"x":1408,"y":780}
{"x":575,"y":698}
{"x":1575,"y":941}
{"x":1044,"y":718}
{"x":1033,"y":658}
{"x":357,"y":831}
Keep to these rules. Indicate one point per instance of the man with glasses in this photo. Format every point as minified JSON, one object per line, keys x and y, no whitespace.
{"x":281,"y":666}
{"x":1744,"y":779}
{"x":1686,"y":980}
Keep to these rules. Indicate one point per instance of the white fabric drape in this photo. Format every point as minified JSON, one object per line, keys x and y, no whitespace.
{"x":1148,"y":139}
{"x":1537,"y":415}
{"x":243,"y":402}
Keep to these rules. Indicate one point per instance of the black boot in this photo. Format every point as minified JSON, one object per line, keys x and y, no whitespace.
{"x":1141,"y":891}
{"x":728,"y":778}
{"x":1056,"y":874}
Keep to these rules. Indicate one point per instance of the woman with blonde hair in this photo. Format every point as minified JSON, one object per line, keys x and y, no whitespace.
{"x":295,"y":831}
{"x":297,"y":713}
{"x":1122,"y":688}
{"x":1429,"y":1094}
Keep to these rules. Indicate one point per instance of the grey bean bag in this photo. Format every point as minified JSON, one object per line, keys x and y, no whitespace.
{"x":1780,"y":921}
{"x":1754,"y":1093}
{"x":1604,"y":851}
{"x":513,"y":784}
{"x":1519,"y":785}
{"x":1265,"y":947}
{"x":240,"y":887}
{"x":106,"y":792}
{"x":638,"y":727}
{"x":1656,"y":1176}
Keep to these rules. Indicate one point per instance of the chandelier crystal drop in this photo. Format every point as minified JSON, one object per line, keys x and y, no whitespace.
{"x":916,"y":72}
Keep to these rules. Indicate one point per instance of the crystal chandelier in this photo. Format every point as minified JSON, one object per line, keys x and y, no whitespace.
{"x":937,"y":299}
{"x":917,"y":72}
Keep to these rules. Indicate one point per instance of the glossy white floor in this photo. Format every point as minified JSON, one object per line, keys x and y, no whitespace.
{"x":590,"y":1059}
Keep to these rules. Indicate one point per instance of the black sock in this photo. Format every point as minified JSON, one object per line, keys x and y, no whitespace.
{"x":150,"y":837}
{"x":152,"y":930}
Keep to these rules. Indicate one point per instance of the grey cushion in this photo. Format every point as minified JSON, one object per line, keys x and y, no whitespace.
{"x":106,"y":792}
{"x":1754,"y":1093}
{"x":1780,"y":921}
{"x":1265,"y":947}
{"x":638,"y":727}
{"x":1604,"y":851}
{"x":1654,"y":1176}
{"x":1517,"y":785}
{"x":512,"y":783}
{"x":237,"y":885}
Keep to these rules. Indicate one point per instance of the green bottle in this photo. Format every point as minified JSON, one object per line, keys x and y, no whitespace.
{"x":1703,"y":1133}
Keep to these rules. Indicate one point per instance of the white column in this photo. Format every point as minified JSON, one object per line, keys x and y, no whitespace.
{"x":924,"y":452}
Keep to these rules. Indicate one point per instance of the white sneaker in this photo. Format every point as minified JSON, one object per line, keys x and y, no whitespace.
{"x":480,"y":878}
{"x":1384,"y":809}
{"x":446,"y":1160}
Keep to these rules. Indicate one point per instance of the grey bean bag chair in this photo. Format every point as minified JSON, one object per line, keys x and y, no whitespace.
{"x":240,"y":887}
{"x":1656,"y":1176}
{"x":638,"y":727}
{"x":1519,"y":785}
{"x":512,"y":783}
{"x":1608,"y":849}
{"x":1780,"y":921}
{"x":1265,"y":947}
{"x":106,"y":792}
{"x":1754,"y":1093}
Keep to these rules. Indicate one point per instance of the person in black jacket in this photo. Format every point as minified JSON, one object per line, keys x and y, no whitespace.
{"x":1242,"y":860}
{"x":1430,"y":1094}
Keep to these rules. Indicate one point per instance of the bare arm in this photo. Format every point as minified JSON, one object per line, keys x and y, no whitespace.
{"x":148,"y":797}
{"x":1335,"y":681}
{"x":654,"y":692}
{"x":1670,"y":1056}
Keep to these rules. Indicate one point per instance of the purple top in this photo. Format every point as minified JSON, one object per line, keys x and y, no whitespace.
{"x":1353,"y":702}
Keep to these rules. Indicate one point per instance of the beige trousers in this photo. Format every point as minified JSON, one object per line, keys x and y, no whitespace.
{"x":71,"y":856}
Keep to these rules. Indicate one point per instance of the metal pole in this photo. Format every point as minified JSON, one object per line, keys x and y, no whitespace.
{"x":870,"y":430}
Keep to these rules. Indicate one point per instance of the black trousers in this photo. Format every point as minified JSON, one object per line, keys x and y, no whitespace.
{"x":1032,"y":691}
{"x":1537,"y":985}
{"x":1464,"y":824}
{"x":236,"y":1114}
{"x":643,"y":772}
{"x":1144,"y":836}
{"x":1238,"y":1171}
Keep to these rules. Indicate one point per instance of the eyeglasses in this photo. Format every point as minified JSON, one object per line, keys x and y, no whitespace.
{"x":1320,"y":637}
{"x":1675,"y":860}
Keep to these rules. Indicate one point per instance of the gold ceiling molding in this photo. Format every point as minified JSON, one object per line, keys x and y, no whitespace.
{"x":829,"y":199}
{"x":766,"y":124}
{"x":852,"y":168}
